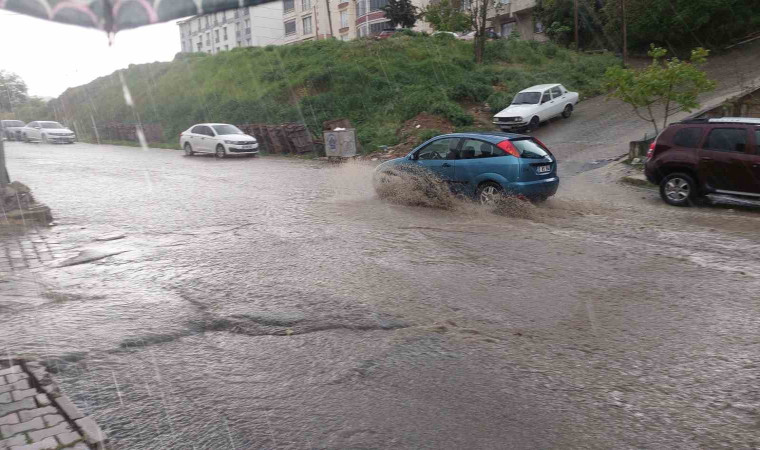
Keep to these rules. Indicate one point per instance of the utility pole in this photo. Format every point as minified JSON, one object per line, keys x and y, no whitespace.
{"x":577,"y":40}
{"x":625,"y":35}
{"x":4,"y":178}
{"x":329,"y":17}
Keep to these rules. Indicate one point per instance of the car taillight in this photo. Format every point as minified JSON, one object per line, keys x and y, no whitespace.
{"x":508,"y":147}
{"x":650,"y":152}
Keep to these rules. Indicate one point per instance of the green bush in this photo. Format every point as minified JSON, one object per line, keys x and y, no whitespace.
{"x":426,"y":134}
{"x":455,"y":113}
{"x":499,"y":100}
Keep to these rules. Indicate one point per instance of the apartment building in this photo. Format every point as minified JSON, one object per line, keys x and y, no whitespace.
{"x":516,"y":15}
{"x":252,"y":26}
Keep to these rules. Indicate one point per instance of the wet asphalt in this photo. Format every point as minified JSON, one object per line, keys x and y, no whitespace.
{"x":278,"y":303}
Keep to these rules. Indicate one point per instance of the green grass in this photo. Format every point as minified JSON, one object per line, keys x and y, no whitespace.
{"x":376,"y":84}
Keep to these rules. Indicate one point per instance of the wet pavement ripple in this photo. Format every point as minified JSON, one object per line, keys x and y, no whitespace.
{"x":278,"y":303}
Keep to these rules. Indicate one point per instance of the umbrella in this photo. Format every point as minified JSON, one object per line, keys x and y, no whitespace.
{"x":115,"y":15}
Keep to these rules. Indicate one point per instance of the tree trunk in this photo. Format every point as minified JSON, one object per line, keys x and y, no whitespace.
{"x":479,"y":47}
{"x":4,"y":178}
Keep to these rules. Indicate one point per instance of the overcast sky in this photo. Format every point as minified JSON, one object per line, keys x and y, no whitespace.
{"x":52,"y":57}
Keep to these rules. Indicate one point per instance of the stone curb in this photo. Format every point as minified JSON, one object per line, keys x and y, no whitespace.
{"x":637,"y":181}
{"x":41,"y":380}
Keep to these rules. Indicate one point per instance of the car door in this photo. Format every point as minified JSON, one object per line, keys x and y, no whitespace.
{"x":205,"y":138}
{"x":544,"y":107}
{"x":438,"y":157}
{"x":558,"y":101}
{"x":726,"y":161}
{"x":194,"y":137}
{"x":479,"y":159}
{"x":33,"y":131}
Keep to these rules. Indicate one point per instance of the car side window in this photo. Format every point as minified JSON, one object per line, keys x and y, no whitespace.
{"x":197,"y":129}
{"x":32,"y":125}
{"x":687,"y":137}
{"x":209,"y":132}
{"x":556,"y":92}
{"x":441,"y":149}
{"x":472,"y":149}
{"x":546,"y":97}
{"x":757,"y":141}
{"x":727,"y":140}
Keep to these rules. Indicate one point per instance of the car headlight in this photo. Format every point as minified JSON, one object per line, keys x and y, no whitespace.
{"x":230,"y":142}
{"x":519,"y":119}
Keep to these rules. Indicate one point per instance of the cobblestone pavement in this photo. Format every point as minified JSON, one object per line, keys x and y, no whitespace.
{"x":34,"y":416}
{"x":27,"y":250}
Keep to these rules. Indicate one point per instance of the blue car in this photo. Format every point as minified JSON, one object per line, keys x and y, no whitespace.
{"x":484,"y":166}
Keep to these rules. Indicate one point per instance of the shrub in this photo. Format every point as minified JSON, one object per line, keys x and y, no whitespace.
{"x":499,"y":100}
{"x":427,"y":133}
{"x":453,"y":112}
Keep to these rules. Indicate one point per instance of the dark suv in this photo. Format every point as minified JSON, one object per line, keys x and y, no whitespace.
{"x":697,"y":157}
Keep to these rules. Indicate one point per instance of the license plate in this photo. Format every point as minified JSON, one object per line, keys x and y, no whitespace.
{"x":247,"y":147}
{"x":544,"y":169}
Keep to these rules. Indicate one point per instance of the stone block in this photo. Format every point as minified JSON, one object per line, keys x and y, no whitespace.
{"x":68,"y":438}
{"x":12,"y":369}
{"x":19,"y":439}
{"x":48,"y":444}
{"x":47,"y":432}
{"x":53,"y":419}
{"x":10,"y":419}
{"x":42,"y":400}
{"x":32,"y":413}
{"x":93,"y":435}
{"x":10,"y":430}
{"x":6,"y":397}
{"x":20,"y":395}
{"x":27,"y":403}
{"x":68,"y":407}
{"x":20,"y":385}
{"x":80,"y":446}
{"x":14,"y":377}
{"x":2,"y":378}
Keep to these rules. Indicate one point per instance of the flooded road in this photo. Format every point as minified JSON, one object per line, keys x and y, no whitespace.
{"x":277,"y":303}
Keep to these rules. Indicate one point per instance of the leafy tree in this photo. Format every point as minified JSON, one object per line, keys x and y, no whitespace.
{"x":400,"y":12}
{"x":447,"y":15}
{"x":478,"y":11}
{"x":561,"y":34}
{"x":13,"y":91}
{"x":662,"y":87}
{"x":681,"y":23}
{"x":559,"y":16}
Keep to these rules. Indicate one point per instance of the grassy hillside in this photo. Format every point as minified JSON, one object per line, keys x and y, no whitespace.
{"x":376,"y":84}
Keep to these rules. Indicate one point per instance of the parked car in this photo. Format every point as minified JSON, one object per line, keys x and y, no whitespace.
{"x":536,"y":104}
{"x":12,"y":129}
{"x":218,"y":138}
{"x":483,"y":165}
{"x":694,"y":158}
{"x":47,"y":132}
{"x":446,"y":33}
{"x":470,"y":35}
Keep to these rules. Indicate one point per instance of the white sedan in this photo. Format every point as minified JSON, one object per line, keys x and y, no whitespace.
{"x":47,"y":132}
{"x":217,"y":138}
{"x":537,"y":104}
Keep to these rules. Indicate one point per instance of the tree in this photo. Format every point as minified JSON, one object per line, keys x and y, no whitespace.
{"x":479,"y":11}
{"x":662,"y":87}
{"x":559,"y":17}
{"x":13,"y":91}
{"x":447,"y":15}
{"x":400,"y":12}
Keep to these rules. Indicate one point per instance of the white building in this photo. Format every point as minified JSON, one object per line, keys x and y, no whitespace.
{"x":253,"y":26}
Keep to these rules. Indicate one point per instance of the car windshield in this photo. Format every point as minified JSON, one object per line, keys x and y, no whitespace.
{"x":13,"y":123}
{"x":227,"y":129}
{"x":49,"y":125}
{"x":530,"y":149}
{"x":527,"y":98}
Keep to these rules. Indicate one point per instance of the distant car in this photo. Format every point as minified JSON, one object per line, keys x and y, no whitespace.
{"x":12,"y":129}
{"x":536,"y":104}
{"x":385,"y":34}
{"x":470,"y":35}
{"x":694,"y":158}
{"x":217,"y":138}
{"x":446,"y":33}
{"x":47,"y":132}
{"x":483,"y":166}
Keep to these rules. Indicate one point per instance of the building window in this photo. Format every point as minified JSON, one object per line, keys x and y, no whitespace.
{"x":375,"y":28}
{"x":226,"y":47}
{"x":248,"y":31}
{"x":200,"y":46}
{"x":216,"y":36}
{"x":237,"y":13}
{"x":289,"y":5}
{"x":245,"y":11}
{"x":247,"y":23}
{"x":208,"y":38}
{"x":290,"y":27}
{"x":343,"y":19}
{"x":305,"y":4}
{"x":343,"y":37}
{"x":374,"y":5}
{"x":225,"y":33}
{"x":307,"y":25}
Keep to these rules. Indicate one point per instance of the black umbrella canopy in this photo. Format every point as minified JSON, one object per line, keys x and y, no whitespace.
{"x":115,"y":15}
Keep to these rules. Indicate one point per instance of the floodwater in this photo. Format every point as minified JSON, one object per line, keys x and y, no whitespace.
{"x":278,"y":303}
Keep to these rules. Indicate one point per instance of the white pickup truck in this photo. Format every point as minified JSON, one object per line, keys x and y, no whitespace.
{"x":536,"y":104}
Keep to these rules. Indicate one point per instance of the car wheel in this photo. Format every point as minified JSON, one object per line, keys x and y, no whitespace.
{"x":188,"y":149}
{"x":534,"y":123}
{"x":567,"y":112}
{"x":489,"y":192}
{"x":678,"y":189}
{"x":220,"y":151}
